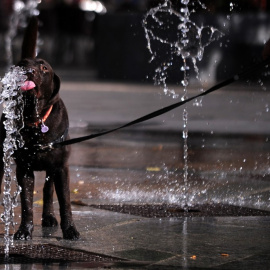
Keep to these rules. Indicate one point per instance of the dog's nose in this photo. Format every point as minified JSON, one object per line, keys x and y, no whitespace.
{"x":31,"y":71}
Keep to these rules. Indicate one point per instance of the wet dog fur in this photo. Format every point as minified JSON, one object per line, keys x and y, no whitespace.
{"x":55,"y":161}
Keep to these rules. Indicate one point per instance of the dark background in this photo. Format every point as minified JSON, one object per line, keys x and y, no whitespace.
{"x":113,"y":45}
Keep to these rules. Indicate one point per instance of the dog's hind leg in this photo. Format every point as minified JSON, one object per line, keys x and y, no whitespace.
{"x":60,"y":176}
{"x":48,"y":217}
{"x":25,"y":178}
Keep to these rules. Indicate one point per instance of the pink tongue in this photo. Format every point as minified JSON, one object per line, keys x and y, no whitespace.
{"x":28,"y":85}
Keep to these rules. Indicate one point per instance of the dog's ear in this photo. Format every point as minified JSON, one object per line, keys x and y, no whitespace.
{"x":56,"y":87}
{"x":30,"y":39}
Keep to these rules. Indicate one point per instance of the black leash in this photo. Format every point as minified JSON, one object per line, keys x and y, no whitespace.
{"x":252,"y":70}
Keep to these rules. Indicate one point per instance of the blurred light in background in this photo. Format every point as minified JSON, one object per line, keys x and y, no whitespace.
{"x":90,"y":5}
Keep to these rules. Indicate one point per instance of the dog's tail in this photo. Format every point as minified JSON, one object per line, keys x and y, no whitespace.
{"x":30,"y":39}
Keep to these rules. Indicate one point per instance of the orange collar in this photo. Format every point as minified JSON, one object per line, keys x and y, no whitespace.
{"x":44,"y":118}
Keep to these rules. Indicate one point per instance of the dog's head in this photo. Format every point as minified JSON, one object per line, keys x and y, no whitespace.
{"x":42,"y":83}
{"x":43,"y":89}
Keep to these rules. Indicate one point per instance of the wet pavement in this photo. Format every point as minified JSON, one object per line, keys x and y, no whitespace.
{"x":143,"y":165}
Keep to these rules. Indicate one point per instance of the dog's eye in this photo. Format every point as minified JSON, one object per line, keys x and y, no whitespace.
{"x":44,"y":68}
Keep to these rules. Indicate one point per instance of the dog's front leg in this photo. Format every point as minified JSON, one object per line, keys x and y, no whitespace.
{"x":25,"y":178}
{"x":61,"y":183}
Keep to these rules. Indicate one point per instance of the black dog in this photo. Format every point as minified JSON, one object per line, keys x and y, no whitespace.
{"x":42,"y":105}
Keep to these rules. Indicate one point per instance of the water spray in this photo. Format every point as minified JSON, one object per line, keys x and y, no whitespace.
{"x":187,"y":45}
{"x":13,"y":105}
{"x":11,"y":98}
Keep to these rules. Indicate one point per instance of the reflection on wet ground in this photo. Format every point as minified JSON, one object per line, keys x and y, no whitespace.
{"x":147,"y":166}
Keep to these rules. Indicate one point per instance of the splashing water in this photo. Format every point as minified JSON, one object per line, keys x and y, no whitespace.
{"x":11,"y":97}
{"x":13,"y":108}
{"x":21,"y":11}
{"x":185,"y":43}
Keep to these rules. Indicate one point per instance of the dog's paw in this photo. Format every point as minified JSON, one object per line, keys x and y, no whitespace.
{"x":24,"y":233}
{"x":49,"y":221}
{"x":71,"y":233}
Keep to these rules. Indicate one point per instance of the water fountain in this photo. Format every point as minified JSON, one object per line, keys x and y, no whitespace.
{"x":218,"y":167}
{"x":186,"y":44}
{"x":11,"y":98}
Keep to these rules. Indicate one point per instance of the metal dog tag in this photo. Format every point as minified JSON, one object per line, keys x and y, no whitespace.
{"x":44,"y":128}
